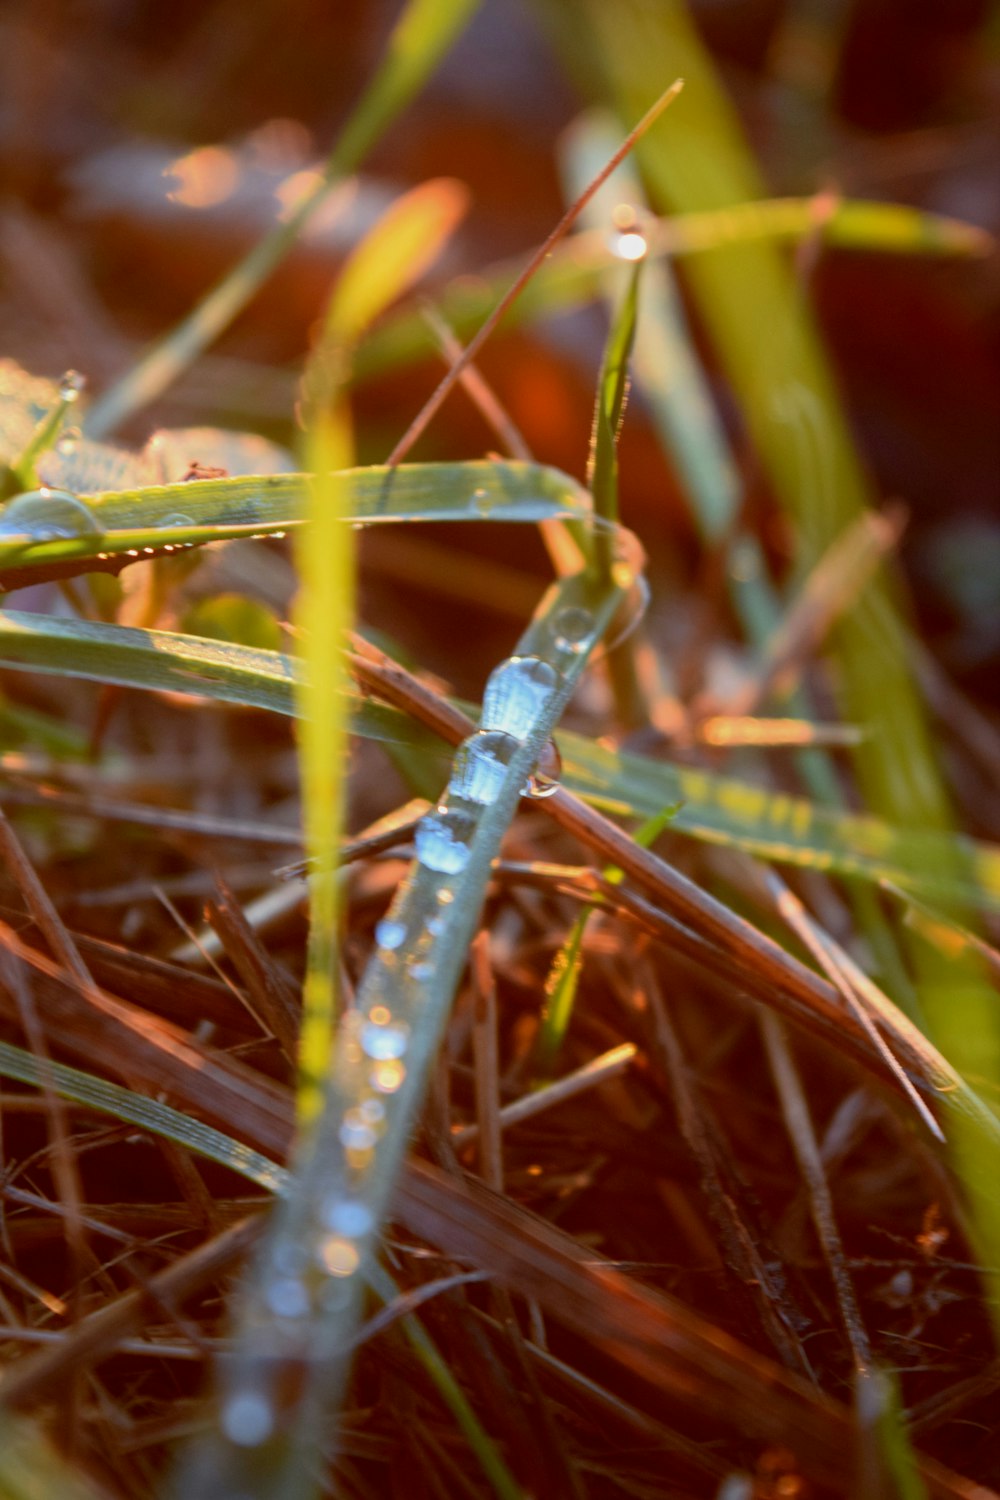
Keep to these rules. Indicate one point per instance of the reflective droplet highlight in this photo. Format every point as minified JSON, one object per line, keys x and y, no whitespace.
{"x":515,"y":694}
{"x":71,"y":386}
{"x":572,"y":627}
{"x":247,"y":1419}
{"x":339,"y":1256}
{"x":348,"y":1218}
{"x":68,"y":442}
{"x":176,"y":518}
{"x":480,"y":766}
{"x":442,"y":839}
{"x":544,"y":779}
{"x":389,"y":933}
{"x":287,"y":1297}
{"x":48,"y":516}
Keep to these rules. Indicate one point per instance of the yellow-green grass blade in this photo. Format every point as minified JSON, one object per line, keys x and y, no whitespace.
{"x":421,"y":37}
{"x":392,"y":256}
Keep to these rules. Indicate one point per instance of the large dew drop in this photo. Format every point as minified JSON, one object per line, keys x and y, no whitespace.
{"x":515,"y":693}
{"x":442,"y":839}
{"x":480,"y":766}
{"x":47,"y":516}
{"x":544,"y":779}
{"x":248,"y":1419}
{"x":382,"y":1038}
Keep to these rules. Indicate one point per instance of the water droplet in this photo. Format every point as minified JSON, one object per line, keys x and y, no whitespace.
{"x":355,"y":1132}
{"x":176,"y":518}
{"x":387,"y":1077}
{"x":444,"y":896}
{"x":373,"y":1110}
{"x":442,"y":839}
{"x":481,"y":764}
{"x":247,"y":1419}
{"x":68,"y":442}
{"x":482,"y":502}
{"x":419,"y":969}
{"x":384,"y":1039}
{"x":348,"y":1217}
{"x":572,"y":628}
{"x":435,"y":926}
{"x":629,"y":246}
{"x":47,"y":516}
{"x":389,"y":933}
{"x":71,"y":385}
{"x":544,"y":779}
{"x":515,"y":693}
{"x":287,"y":1297}
{"x":339,"y":1256}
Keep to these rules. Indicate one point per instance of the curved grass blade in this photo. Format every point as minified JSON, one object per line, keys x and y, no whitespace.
{"x":419,"y":40}
{"x":169,"y":517}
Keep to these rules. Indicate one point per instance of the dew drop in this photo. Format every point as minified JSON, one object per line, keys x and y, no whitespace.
{"x":355,"y":1132}
{"x":482,"y":502}
{"x":435,"y":926}
{"x":68,"y":442}
{"x":348,"y":1217}
{"x":338,"y":1256}
{"x":544,"y":779}
{"x":442,"y":839}
{"x":247,"y":1419}
{"x":384,"y":1040}
{"x":176,"y":518}
{"x":47,"y":516}
{"x":389,"y":933}
{"x":629,"y":246}
{"x":287,"y":1297}
{"x":480,"y":766}
{"x":515,"y":692}
{"x":419,"y":969}
{"x":372,"y":1110}
{"x":387,"y":1077}
{"x":572,"y":628}
{"x":71,"y":386}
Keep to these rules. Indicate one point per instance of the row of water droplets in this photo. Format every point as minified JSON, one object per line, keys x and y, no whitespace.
{"x":311,"y":1271}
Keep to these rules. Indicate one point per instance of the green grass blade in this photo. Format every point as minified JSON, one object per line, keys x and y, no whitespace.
{"x":564,"y":975}
{"x":170,"y":517}
{"x":148,"y":1114}
{"x":31,"y":1469}
{"x":419,"y":40}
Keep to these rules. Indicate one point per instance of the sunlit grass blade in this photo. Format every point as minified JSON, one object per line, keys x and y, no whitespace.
{"x":392,"y":256}
{"x":170,"y":517}
{"x":563,"y":977}
{"x":420,"y":38}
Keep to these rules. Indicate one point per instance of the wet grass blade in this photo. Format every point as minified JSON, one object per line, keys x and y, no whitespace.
{"x":421,"y":37}
{"x":167,"y":518}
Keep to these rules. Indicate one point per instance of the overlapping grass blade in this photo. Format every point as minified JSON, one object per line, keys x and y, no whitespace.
{"x":719,"y":809}
{"x":340,"y":1191}
{"x":170,"y":517}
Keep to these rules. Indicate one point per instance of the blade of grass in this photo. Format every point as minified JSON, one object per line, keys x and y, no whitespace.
{"x":169,"y":517}
{"x":392,"y":256}
{"x":420,"y":38}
